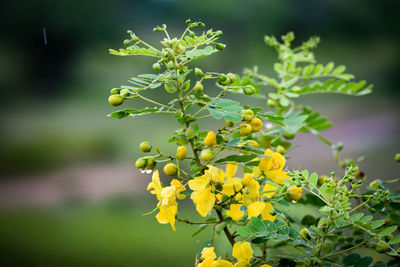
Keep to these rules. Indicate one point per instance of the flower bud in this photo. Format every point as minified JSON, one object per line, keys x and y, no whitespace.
{"x":305,"y":234}
{"x":198,"y":72}
{"x":181,"y":152}
{"x":127,"y":42}
{"x":249,"y":89}
{"x":397,"y":158}
{"x":231,"y":77}
{"x":145,"y":146}
{"x":170,"y":169}
{"x":281,"y":150}
{"x":115,"y":100}
{"x":245,"y":129}
{"x":289,"y":136}
{"x":198,"y":87}
{"x":206,"y":155}
{"x":256,"y":124}
{"x":151,"y":164}
{"x":229,"y":124}
{"x":252,"y":143}
{"x":294,"y":193}
{"x":156,"y":66}
{"x":248,"y":114}
{"x":271,"y":103}
{"x":210,"y":139}
{"x":141,"y":163}
{"x":115,"y":91}
{"x":124,"y":92}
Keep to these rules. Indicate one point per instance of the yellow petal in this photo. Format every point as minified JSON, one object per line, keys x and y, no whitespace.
{"x":234,"y":212}
{"x":279,"y":161}
{"x":199,"y":183}
{"x":204,"y":201}
{"x":155,"y":185}
{"x":179,"y":188}
{"x":265,"y":213}
{"x":216,"y":175}
{"x":242,"y":251}
{"x":222,"y":263}
{"x":206,"y":263}
{"x":277,"y":176}
{"x":266,"y":163}
{"x":269,"y":190}
{"x":167,"y":215}
{"x":265,"y":265}
{"x":208,"y":253}
{"x":255,"y":209}
{"x":168,"y":196}
{"x":231,"y":170}
{"x":242,"y":264}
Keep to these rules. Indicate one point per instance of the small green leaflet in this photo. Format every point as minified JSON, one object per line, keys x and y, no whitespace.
{"x":132,"y":112}
{"x":225,"y":108}
{"x":237,"y":158}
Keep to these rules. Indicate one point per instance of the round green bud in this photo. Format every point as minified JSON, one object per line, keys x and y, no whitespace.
{"x":156,"y":66}
{"x":185,"y":86}
{"x":124,"y":92}
{"x":127,"y":42}
{"x":249,"y":89}
{"x":170,"y":169}
{"x":188,"y":21}
{"x":151,"y":164}
{"x":218,"y":33}
{"x":145,"y":146}
{"x":323,"y":223}
{"x":155,"y":29}
{"x":270,"y":103}
{"x":322,"y":179}
{"x":374,"y":184}
{"x":170,"y":88}
{"x":223,"y":80}
{"x":220,"y":46}
{"x":289,"y":136}
{"x":115,"y":100}
{"x":206,"y":155}
{"x":198,"y":72}
{"x":245,"y":129}
{"x":248,"y":114}
{"x":229,"y":124}
{"x":115,"y":91}
{"x":201,"y":25}
{"x":180,"y":49}
{"x":198,"y":87}
{"x":191,"y":34}
{"x":141,"y":163}
{"x":381,"y":246}
{"x":281,"y":150}
{"x":340,"y":146}
{"x":231,"y":77}
{"x":397,"y":158}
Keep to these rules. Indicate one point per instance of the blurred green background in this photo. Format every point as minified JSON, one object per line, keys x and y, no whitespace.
{"x":69,"y":194}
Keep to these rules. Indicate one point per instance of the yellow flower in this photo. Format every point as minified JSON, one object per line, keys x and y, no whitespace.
{"x":207,"y":257}
{"x":255,"y":209}
{"x":265,"y":265}
{"x":230,"y":170}
{"x":234,"y":212}
{"x":166,"y":196}
{"x":265,"y":213}
{"x":179,"y":188}
{"x":272,"y":167}
{"x":269,"y":190}
{"x":252,"y":192}
{"x":222,"y":263}
{"x":242,"y":251}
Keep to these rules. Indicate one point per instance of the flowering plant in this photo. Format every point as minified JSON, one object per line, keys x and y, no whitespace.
{"x":235,"y":174}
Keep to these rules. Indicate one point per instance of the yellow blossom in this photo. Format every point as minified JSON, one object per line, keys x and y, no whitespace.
{"x":155,"y":185}
{"x":207,"y":256}
{"x":265,"y":265}
{"x":272,"y":167}
{"x":255,"y":209}
{"x":179,"y":188}
{"x":222,"y":263}
{"x":234,"y":212}
{"x":242,"y":251}
{"x":265,"y":213}
{"x":269,"y":190}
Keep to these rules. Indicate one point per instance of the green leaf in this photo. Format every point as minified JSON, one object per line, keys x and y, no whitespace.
{"x":258,"y":224}
{"x":394,"y":240}
{"x":351,"y":259}
{"x":244,"y":231}
{"x":377,"y":224}
{"x":237,"y":158}
{"x":132,"y":112}
{"x":313,"y":180}
{"x":356,"y":217}
{"x":387,"y":231}
{"x":364,"y":262}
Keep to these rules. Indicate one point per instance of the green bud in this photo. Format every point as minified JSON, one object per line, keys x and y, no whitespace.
{"x":289,"y":136}
{"x":220,"y":46}
{"x":115,"y":91}
{"x":381,"y":246}
{"x":115,"y":100}
{"x":271,"y":103}
{"x":305,"y":234}
{"x":231,"y":77}
{"x":397,"y":158}
{"x":218,"y":33}
{"x":141,"y":163}
{"x":155,"y":29}
{"x":145,"y":146}
{"x":272,"y":212}
{"x":198,"y":72}
{"x":156,"y":66}
{"x":151,"y":164}
{"x":124,"y":92}
{"x":189,"y":131}
{"x":229,"y":124}
{"x":198,"y":87}
{"x":281,"y":150}
{"x":127,"y":42}
{"x":223,"y":80}
{"x":201,"y":25}
{"x":340,"y":146}
{"x":249,"y":89}
{"x":188,"y":21}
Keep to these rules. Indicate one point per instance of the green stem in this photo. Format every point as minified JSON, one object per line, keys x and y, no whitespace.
{"x":156,"y":103}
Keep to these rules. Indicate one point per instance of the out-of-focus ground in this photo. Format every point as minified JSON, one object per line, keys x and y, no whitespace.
{"x":69,"y":193}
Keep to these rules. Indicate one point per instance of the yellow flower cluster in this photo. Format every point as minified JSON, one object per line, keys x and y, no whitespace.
{"x":166,"y":198}
{"x":242,"y":251}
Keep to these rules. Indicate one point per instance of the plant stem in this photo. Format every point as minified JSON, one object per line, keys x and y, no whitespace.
{"x":226,"y":230}
{"x":155,"y":103}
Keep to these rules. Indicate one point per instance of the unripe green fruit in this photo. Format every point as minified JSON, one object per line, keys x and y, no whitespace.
{"x":181,"y":152}
{"x":248,"y":114}
{"x":206,"y":155}
{"x":220,"y":46}
{"x":141,"y":163}
{"x":381,"y":246}
{"x":124,"y":92}
{"x":229,"y":124}
{"x":145,"y":146}
{"x":271,"y":103}
{"x":185,"y":86}
{"x":231,"y":77}
{"x":397,"y":158}
{"x":305,"y":234}
{"x":249,"y":89}
{"x":281,"y":150}
{"x":198,"y":72}
{"x":289,"y":136}
{"x":170,"y":169}
{"x":245,"y":129}
{"x":127,"y":42}
{"x":156,"y":66}
{"x":115,"y":100}
{"x":151,"y":164}
{"x":170,"y":88}
{"x":115,"y":91}
{"x":198,"y":87}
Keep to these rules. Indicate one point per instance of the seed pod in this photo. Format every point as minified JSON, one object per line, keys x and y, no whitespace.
{"x":256,"y":124}
{"x":170,"y":169}
{"x":211,"y":139}
{"x":115,"y":100}
{"x":245,"y":129}
{"x":181,"y":152}
{"x":248,"y":114}
{"x":145,"y":146}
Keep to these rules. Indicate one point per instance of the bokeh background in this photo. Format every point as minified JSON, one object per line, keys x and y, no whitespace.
{"x":69,"y":193}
